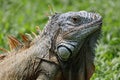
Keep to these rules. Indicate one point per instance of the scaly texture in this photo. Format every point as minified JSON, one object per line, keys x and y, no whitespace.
{"x":64,"y":50}
{"x":76,"y":44}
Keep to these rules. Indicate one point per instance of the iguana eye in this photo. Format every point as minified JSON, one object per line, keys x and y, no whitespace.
{"x":76,"y":19}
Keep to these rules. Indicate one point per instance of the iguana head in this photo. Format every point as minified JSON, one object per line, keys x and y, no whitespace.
{"x":76,"y":43}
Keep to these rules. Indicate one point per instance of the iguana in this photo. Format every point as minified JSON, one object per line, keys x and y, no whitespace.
{"x":64,"y":50}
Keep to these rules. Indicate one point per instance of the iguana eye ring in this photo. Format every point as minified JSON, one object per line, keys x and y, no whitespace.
{"x":76,"y":19}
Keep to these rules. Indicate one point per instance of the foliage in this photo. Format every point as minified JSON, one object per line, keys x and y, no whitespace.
{"x":20,"y":16}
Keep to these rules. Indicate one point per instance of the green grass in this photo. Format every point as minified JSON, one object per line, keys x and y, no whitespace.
{"x":21,"y":16}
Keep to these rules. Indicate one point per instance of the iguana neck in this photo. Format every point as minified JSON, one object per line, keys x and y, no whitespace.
{"x":81,"y":67}
{"x":29,"y":60}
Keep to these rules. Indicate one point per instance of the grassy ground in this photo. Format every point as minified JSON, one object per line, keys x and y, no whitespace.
{"x":20,"y":16}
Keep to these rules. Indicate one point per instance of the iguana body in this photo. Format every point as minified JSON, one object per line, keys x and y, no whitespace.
{"x":26,"y":64}
{"x":79,"y":29}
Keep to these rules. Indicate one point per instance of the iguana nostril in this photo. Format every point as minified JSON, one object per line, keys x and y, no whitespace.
{"x":64,"y":51}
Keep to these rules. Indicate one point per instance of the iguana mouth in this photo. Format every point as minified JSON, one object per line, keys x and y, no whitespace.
{"x":83,"y":30}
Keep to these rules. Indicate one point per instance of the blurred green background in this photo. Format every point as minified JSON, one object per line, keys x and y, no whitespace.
{"x":21,"y":16}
